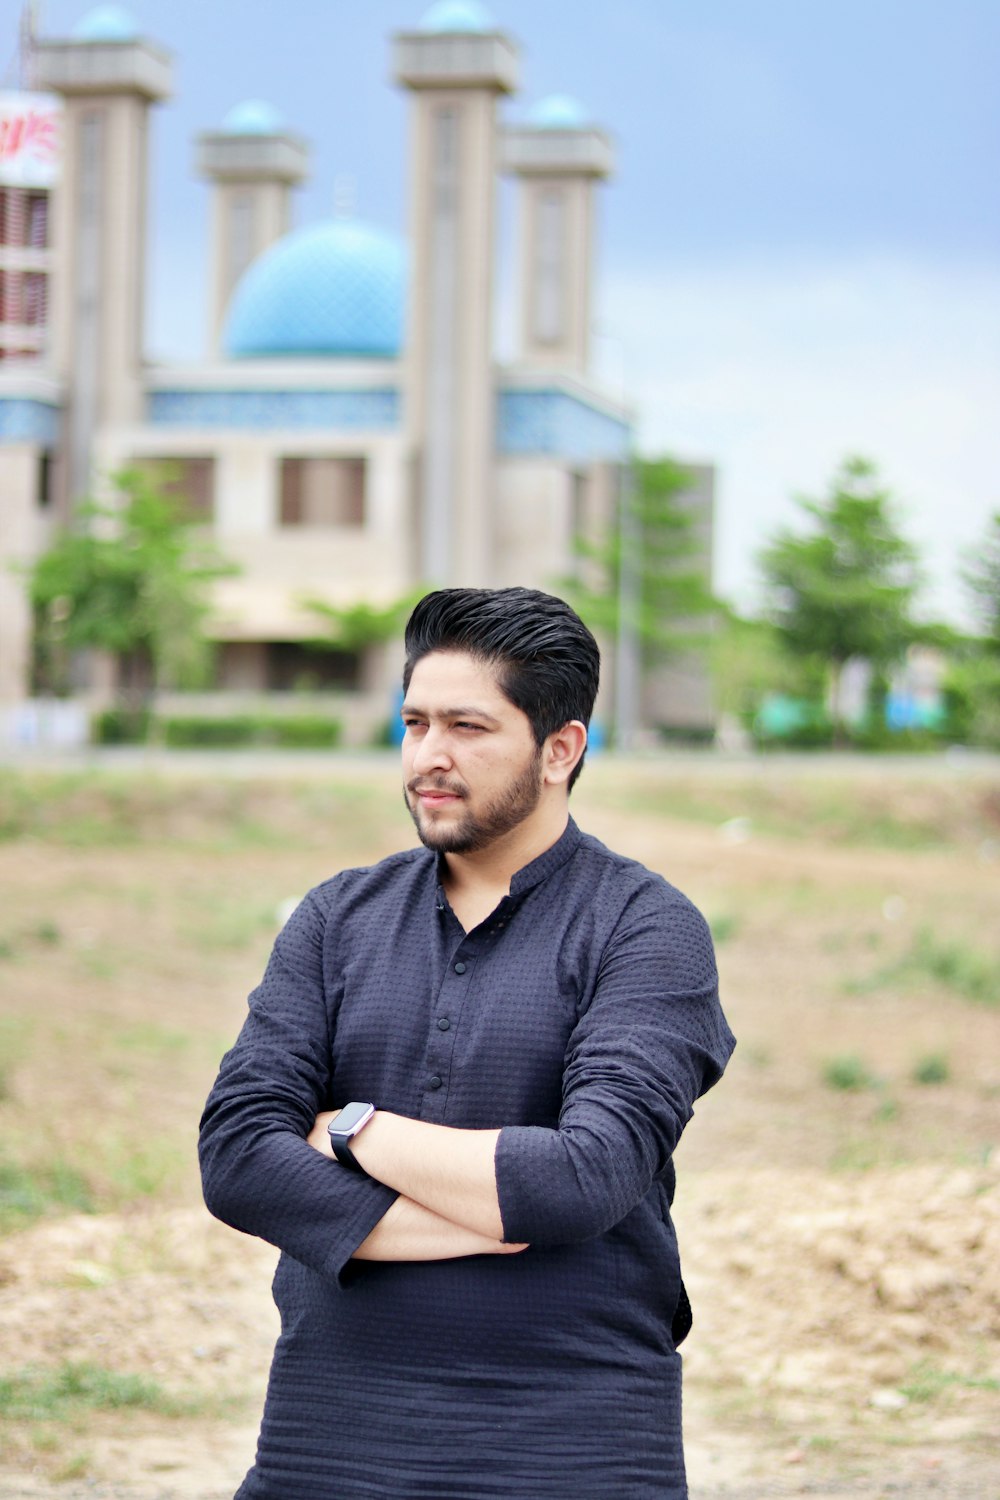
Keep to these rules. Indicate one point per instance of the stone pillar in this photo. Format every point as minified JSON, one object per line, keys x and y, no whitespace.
{"x":108,"y":86}
{"x":455,"y":78}
{"x":557,"y":158}
{"x":253,"y":164}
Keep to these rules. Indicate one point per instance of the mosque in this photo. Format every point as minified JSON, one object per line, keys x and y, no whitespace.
{"x":352,"y":435}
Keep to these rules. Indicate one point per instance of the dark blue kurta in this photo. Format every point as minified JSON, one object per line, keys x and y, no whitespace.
{"x":582,"y":1017}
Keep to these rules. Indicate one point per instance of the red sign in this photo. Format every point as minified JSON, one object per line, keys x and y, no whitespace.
{"x":30,"y":139}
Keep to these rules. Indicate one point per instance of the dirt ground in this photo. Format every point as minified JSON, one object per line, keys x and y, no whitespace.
{"x":841,"y":1243}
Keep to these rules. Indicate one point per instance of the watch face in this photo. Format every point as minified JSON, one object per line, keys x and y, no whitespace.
{"x":350,"y":1117}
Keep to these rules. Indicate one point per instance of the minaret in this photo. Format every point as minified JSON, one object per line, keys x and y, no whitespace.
{"x":254,"y":163}
{"x":456,"y":65}
{"x":557,"y":157}
{"x":108,"y":77}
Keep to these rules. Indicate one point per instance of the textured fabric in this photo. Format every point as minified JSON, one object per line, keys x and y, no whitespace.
{"x":583,"y":1018}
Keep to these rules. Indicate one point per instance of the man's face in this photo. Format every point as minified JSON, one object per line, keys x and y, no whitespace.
{"x":471,"y":768}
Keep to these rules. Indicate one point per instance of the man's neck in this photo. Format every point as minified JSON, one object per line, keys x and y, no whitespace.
{"x":488,"y":872}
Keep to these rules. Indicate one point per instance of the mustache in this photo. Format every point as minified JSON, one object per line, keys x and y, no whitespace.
{"x":436,"y":784}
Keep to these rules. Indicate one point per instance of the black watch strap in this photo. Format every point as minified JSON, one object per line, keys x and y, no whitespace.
{"x":342,"y":1151}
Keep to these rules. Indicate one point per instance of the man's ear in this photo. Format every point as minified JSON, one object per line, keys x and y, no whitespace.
{"x":562,"y":752}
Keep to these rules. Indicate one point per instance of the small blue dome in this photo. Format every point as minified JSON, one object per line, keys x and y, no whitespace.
{"x":558,"y":112}
{"x":457,"y":15}
{"x":107,"y":23}
{"x":337,"y":288}
{"x":253,"y":117}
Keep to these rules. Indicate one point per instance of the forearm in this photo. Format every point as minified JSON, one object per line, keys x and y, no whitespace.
{"x":448,"y":1171}
{"x":408,"y":1231}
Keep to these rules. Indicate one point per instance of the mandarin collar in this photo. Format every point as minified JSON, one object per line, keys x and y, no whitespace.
{"x":546,"y":864}
{"x":531,"y":874}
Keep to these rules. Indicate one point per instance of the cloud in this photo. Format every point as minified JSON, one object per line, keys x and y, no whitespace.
{"x":776,"y":372}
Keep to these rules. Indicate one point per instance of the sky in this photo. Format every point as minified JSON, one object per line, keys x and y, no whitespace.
{"x":797,"y":255}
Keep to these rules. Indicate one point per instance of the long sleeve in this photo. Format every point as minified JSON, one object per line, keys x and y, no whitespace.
{"x":652,"y":1039}
{"x":258,"y":1172}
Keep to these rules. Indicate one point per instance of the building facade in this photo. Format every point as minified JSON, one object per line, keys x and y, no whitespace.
{"x":351,"y":435}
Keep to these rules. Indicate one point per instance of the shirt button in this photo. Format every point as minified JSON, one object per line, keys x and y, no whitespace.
{"x":434,"y":1083}
{"x":459,"y":968}
{"x":444,"y":1024}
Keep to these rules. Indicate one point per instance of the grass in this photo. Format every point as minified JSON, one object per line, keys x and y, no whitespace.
{"x":953,"y":964}
{"x":849,"y":1073}
{"x":73,"y":1388}
{"x":90,"y":809}
{"x":851,"y":810}
{"x":27,"y":1193}
{"x":932,"y":1068}
{"x":724,"y":927}
{"x":956,"y":965}
{"x":87,"y":809}
{"x":230,"y":922}
{"x":926,"y":1382}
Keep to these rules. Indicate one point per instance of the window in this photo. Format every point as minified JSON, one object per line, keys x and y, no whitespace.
{"x":37,"y":221}
{"x":11,"y":216}
{"x":44,"y":492}
{"x":322,"y":492}
{"x":35,"y":299}
{"x":284,"y":666}
{"x":189,"y":479}
{"x":24,"y":218}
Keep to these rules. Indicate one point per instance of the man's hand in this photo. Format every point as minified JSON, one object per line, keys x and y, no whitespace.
{"x":408,"y":1231}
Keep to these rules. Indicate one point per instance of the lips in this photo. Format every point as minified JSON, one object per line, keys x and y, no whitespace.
{"x":435,"y":796}
{"x":442,"y":790}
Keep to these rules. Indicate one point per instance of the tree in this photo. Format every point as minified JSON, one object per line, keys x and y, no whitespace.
{"x":654,"y":550}
{"x":845,"y":587}
{"x":644,"y":583}
{"x":131,"y":579}
{"x":982,"y":579}
{"x":352,"y":627}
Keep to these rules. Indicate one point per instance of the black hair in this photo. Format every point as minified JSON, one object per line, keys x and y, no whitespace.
{"x":546,"y":660}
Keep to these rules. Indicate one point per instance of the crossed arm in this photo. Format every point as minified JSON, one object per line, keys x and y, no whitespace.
{"x":638,"y":1057}
{"x":446,"y":1181}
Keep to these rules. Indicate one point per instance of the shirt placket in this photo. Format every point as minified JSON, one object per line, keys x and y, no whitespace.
{"x":453,"y":997}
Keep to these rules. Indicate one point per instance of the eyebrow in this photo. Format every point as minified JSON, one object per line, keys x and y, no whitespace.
{"x":450,"y":713}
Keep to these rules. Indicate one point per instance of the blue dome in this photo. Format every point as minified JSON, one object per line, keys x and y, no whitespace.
{"x":558,"y":112}
{"x":457,"y":15}
{"x":253,"y":117}
{"x":334,"y":288}
{"x":106,"y":23}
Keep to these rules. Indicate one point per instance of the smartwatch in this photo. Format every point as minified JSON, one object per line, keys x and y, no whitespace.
{"x":342,"y":1129}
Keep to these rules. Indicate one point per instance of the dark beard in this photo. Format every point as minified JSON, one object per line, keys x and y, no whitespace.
{"x":518,"y":800}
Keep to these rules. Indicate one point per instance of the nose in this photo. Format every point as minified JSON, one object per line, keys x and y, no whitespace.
{"x":430,"y":752}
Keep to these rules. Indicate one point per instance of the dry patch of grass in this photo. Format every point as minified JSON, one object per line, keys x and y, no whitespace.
{"x":855,"y":924}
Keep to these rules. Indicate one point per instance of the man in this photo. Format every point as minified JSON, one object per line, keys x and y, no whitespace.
{"x":454,"y":1106}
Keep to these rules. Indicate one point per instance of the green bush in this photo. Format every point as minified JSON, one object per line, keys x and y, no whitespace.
{"x":184,"y":731}
{"x":933,"y":1068}
{"x":972,"y":699}
{"x":791,"y":723}
{"x":294,"y":732}
{"x":306,"y":732}
{"x":848,"y":1072}
{"x":118,"y":726}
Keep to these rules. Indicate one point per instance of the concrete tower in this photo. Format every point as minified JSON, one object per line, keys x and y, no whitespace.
{"x":557,"y":157}
{"x":108,"y":77}
{"x":456,"y":66}
{"x":254,"y":163}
